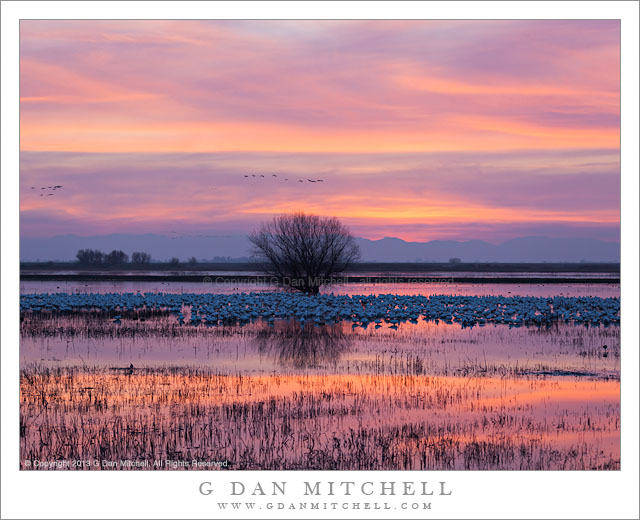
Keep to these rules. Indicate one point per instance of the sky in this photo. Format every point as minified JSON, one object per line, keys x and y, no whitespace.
{"x":421,"y":130}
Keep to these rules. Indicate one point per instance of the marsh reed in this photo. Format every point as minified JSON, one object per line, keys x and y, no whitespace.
{"x":296,"y":421}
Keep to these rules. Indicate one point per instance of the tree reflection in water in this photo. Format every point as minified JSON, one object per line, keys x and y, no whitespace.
{"x":307,"y":346}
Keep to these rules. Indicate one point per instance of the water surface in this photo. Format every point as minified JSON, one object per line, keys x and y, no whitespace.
{"x":426,"y":396}
{"x":604,"y":290}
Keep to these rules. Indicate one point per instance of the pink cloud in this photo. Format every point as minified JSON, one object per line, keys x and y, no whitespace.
{"x":430,"y":124}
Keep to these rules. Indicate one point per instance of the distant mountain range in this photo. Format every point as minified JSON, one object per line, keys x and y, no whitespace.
{"x":526,"y":249}
{"x":161,"y":247}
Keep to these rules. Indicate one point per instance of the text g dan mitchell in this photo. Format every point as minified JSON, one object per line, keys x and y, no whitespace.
{"x":328,"y":488}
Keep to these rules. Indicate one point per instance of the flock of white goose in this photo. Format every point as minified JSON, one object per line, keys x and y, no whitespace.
{"x":362,"y":310}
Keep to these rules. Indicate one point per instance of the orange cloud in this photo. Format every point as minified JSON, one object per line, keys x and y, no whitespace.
{"x":454,"y":87}
{"x":446,"y":123}
{"x":70,"y":87}
{"x":117,"y":134}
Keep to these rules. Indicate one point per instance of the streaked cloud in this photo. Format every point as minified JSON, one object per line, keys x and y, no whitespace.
{"x":422,"y":129}
{"x":415,"y":196}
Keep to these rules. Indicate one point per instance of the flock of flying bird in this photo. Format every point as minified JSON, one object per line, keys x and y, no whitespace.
{"x":260,"y":175}
{"x":52,"y":188}
{"x":248,"y":176}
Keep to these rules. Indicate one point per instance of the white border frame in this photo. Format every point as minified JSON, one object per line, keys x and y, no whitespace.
{"x":488,"y":494}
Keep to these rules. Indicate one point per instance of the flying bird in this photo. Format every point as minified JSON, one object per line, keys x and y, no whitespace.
{"x":261,"y":175}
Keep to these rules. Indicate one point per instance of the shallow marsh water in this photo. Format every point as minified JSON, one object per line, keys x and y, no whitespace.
{"x":603,"y":290}
{"x":424,"y":396}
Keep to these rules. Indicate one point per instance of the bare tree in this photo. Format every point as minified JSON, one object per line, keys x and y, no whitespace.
{"x":139,"y":257}
{"x":90,"y":257}
{"x":116,"y":257}
{"x":303,"y":251}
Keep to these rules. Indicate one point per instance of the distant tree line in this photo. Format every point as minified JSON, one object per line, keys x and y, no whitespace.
{"x":140,"y":258}
{"x":233,"y":259}
{"x":94,"y":257}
